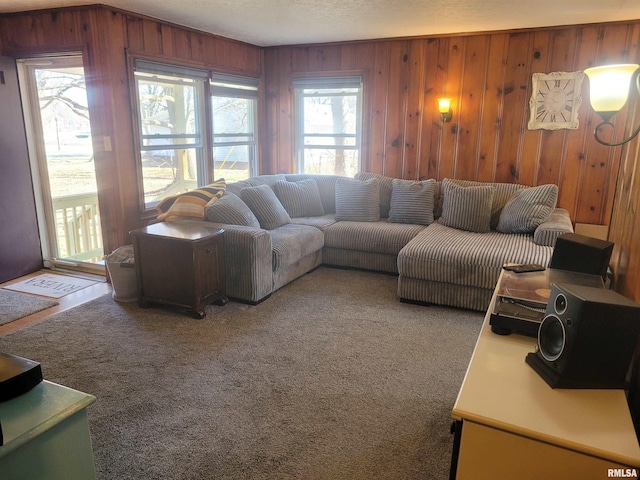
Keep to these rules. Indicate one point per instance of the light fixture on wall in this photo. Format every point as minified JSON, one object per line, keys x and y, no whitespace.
{"x":444,"y":107}
{"x":609,"y":90}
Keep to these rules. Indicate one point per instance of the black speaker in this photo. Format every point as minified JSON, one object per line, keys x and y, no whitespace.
{"x":587,"y":338}
{"x":578,"y":253}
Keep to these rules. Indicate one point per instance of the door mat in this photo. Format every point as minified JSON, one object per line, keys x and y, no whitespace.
{"x":50,"y":285}
{"x":15,"y":305}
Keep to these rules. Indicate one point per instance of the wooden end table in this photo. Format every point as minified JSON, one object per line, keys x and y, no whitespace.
{"x":179,"y":265}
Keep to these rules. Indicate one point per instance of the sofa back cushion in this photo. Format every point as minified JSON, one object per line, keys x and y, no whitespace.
{"x":503,"y":192}
{"x":386,"y":189}
{"x":235,"y":187}
{"x":326,"y":187}
{"x":527,"y":209}
{"x":265,"y":206}
{"x":231,"y":210}
{"x":300,"y":199}
{"x":467,"y":208}
{"x":412,"y":201}
{"x":266,"y":180}
{"x":357,"y":201}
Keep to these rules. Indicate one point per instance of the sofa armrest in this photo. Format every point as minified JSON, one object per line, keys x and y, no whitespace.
{"x":557,"y":224}
{"x":247,"y":261}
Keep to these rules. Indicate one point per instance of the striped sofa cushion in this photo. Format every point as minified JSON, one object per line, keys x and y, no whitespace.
{"x":326,"y":186}
{"x":412,"y":201}
{"x":231,"y":210}
{"x":386,"y":189}
{"x":300,"y":199}
{"x":504,"y":191}
{"x":527,"y":209}
{"x":290,"y":243}
{"x":558,"y":223}
{"x":357,"y":201}
{"x":265,"y":206}
{"x":467,"y":208}
{"x":190,"y":204}
{"x":380,"y":236}
{"x":444,"y":254}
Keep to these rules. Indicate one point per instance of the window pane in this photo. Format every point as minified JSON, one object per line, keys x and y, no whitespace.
{"x":167,"y":108}
{"x":232,"y":162}
{"x":331,"y":161}
{"x":172,"y":159}
{"x":167,"y":172}
{"x":327,"y":140}
{"x":231,"y":115}
{"x":233,"y":107}
{"x":328,"y":125}
{"x":330,"y":114}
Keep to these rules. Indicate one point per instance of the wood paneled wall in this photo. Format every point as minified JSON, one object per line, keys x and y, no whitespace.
{"x":489,"y":78}
{"x":625,"y":223}
{"x":106,"y":37}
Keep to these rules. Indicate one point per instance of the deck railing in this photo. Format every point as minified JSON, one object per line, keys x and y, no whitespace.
{"x":78,"y":227}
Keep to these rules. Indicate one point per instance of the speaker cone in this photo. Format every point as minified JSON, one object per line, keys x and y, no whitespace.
{"x":560,"y":304}
{"x":551,"y":337}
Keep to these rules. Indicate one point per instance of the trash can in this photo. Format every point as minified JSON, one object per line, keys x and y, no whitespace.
{"x":122,"y":270}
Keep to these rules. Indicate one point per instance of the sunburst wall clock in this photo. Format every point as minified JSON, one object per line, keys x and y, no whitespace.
{"x":555,"y":100}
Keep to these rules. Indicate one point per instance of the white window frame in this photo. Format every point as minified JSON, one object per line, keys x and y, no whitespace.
{"x":226,"y":85}
{"x":320,"y":83}
{"x":168,"y":73}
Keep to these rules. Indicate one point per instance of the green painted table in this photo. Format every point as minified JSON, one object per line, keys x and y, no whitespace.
{"x":46,"y":435}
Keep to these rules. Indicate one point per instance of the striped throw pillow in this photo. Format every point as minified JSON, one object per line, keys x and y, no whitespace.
{"x":265,"y":206}
{"x":357,"y":201}
{"x":412,"y":201}
{"x":231,"y":210}
{"x":467,"y":208}
{"x":190,"y":204}
{"x":300,"y":199}
{"x":386,"y":189}
{"x":527,"y":209}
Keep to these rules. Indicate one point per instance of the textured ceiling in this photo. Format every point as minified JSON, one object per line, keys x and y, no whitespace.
{"x":287,"y":22}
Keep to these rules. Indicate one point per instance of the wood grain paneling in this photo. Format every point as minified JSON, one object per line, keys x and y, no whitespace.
{"x":489,"y":78}
{"x":105,"y":35}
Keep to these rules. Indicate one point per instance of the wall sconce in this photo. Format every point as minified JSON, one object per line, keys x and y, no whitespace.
{"x":609,"y":90}
{"x":444,"y":107}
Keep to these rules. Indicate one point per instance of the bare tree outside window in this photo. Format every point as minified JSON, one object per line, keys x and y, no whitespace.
{"x":329,"y":122}
{"x":170,"y":133}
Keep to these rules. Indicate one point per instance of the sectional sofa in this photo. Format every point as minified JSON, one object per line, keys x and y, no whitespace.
{"x":445,"y":240}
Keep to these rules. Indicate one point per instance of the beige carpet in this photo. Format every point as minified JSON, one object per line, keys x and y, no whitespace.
{"x":15,"y":305}
{"x":330,"y":378}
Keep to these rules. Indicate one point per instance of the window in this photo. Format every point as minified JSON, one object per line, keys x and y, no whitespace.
{"x":329,"y":124}
{"x":170,"y":107}
{"x":234,"y":102}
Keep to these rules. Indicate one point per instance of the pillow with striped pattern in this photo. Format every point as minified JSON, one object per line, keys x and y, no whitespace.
{"x":190,"y":204}
{"x":412,"y":201}
{"x":231,"y":210}
{"x":527,"y":209}
{"x":265,"y":206}
{"x":300,"y":199}
{"x":386,"y":188}
{"x":467,"y":208}
{"x":357,"y":201}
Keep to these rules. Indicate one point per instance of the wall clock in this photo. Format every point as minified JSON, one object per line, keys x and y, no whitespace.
{"x":555,"y":100}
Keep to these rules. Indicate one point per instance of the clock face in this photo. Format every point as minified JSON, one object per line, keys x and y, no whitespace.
{"x":555,"y":100}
